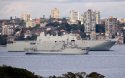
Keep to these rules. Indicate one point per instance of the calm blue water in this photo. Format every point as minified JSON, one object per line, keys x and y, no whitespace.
{"x":109,"y":63}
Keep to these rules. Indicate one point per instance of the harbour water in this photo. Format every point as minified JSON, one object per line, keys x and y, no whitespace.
{"x":109,"y":63}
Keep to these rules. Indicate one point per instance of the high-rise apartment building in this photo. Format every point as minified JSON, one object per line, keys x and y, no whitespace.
{"x":98,"y":20}
{"x":81,"y":18}
{"x":89,"y":21}
{"x":7,"y":30}
{"x":55,"y":13}
{"x":111,"y":26}
{"x":74,"y":16}
{"x":122,"y":20}
{"x":27,"y":18}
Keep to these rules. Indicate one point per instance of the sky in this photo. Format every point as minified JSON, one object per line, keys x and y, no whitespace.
{"x":38,"y":8}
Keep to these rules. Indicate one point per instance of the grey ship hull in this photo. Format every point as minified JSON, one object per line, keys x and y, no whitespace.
{"x":96,"y":45}
{"x":103,"y":47}
{"x":58,"y":48}
{"x":18,"y":46}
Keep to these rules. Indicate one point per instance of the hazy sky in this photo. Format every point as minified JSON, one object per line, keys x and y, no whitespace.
{"x":37,"y":8}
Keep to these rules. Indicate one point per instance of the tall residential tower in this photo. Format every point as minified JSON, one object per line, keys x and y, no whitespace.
{"x":111,"y":25}
{"x":55,"y":13}
{"x":89,"y":19}
{"x":98,"y":20}
{"x":74,"y":16}
{"x":27,"y":18}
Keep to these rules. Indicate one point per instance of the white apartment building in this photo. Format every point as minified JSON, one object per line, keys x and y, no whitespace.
{"x":74,"y":16}
{"x":89,"y":19}
{"x":27,"y":18}
{"x":98,"y":20}
{"x":111,"y":26}
{"x":30,"y":23}
{"x":7,"y":30}
{"x":55,"y":13}
{"x":122,"y":20}
{"x":82,"y":18}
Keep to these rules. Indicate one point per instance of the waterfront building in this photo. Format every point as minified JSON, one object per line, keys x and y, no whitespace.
{"x":122,"y":20}
{"x":89,"y":19}
{"x":7,"y":30}
{"x":28,"y":20}
{"x":81,"y":19}
{"x":74,"y":16}
{"x":27,"y":34}
{"x":111,"y":27}
{"x":30,"y":23}
{"x":26,"y":16}
{"x":98,"y":20}
{"x":55,"y":13}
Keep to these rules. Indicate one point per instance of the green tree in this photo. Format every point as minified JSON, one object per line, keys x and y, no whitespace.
{"x":12,"y":72}
{"x":37,"y":26}
{"x":69,"y":75}
{"x":22,"y":23}
{"x":95,"y":75}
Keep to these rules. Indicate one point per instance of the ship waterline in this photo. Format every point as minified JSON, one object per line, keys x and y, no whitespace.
{"x":69,"y":51}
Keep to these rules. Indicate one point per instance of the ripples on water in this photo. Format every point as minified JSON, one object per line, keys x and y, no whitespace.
{"x":110,"y":63}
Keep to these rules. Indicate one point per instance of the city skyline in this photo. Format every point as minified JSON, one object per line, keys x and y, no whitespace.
{"x":38,"y":8}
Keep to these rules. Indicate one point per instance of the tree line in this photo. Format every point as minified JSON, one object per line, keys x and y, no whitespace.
{"x":13,"y":72}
